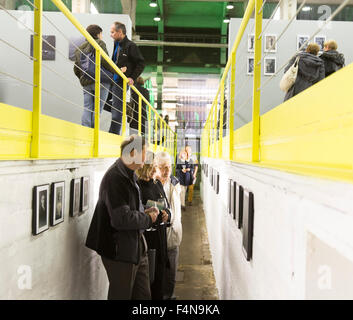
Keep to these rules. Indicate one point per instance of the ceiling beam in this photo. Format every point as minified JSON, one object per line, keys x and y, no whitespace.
{"x":154,"y":43}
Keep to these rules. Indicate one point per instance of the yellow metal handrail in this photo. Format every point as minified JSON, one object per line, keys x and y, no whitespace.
{"x":77,"y":141}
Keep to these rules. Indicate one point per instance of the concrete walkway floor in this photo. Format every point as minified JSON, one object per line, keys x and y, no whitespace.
{"x":195,"y":278}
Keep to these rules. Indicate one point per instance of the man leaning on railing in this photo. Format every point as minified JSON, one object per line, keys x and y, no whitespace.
{"x":125,"y":54}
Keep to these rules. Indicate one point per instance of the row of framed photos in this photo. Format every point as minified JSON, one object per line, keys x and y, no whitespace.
{"x":240,"y":206}
{"x":270,"y":42}
{"x":50,"y":207}
{"x":270,"y":66}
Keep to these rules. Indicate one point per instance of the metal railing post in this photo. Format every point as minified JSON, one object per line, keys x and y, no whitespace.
{"x":123,"y":132}
{"x":149,"y":124}
{"x":231,"y":107}
{"x":220,"y":149}
{"x":255,"y":154}
{"x":37,"y":79}
{"x":215,"y":131}
{"x":140,"y":114}
{"x":97,"y":104}
{"x":155,"y":131}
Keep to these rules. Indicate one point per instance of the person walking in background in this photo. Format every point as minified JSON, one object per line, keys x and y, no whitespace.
{"x":152,"y":190}
{"x":118,"y":223}
{"x":193,"y":163}
{"x":85,"y":52}
{"x":310,"y":70}
{"x":184,"y":172}
{"x":333,"y":60}
{"x":135,"y":106}
{"x":172,"y":190}
{"x":125,"y":54}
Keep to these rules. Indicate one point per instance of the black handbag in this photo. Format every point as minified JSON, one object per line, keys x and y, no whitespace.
{"x":151,"y":253}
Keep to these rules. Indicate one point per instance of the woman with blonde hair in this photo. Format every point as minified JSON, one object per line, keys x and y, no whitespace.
{"x":152,"y":189}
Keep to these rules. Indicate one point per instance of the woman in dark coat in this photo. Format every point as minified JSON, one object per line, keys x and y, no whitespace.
{"x":185,"y":173}
{"x":156,"y":238}
{"x":333,"y":60}
{"x":310,"y":70}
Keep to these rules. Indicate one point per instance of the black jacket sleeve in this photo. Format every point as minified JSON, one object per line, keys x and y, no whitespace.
{"x":116,"y":198}
{"x":138,"y":59}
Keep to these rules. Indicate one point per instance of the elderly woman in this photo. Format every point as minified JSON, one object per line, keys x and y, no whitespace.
{"x":172,"y":190}
{"x":152,"y":189}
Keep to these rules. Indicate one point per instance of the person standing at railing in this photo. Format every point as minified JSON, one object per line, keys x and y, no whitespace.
{"x":84,"y":56}
{"x":311,"y":70}
{"x":332,"y":58}
{"x":118,"y":223}
{"x":135,"y":106}
{"x":192,"y":161}
{"x":125,"y":54}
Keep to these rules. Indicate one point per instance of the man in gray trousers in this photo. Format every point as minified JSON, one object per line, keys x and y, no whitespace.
{"x":118,"y":223}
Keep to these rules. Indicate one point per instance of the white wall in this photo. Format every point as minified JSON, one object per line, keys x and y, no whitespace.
{"x":66,"y":84}
{"x":61,"y":266}
{"x":302,"y":244}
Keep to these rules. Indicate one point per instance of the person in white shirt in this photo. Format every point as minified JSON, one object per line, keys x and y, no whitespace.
{"x":172,"y":190}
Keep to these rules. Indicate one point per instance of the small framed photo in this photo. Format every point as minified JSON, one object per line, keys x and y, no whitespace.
{"x":84,"y":202}
{"x":75,"y":197}
{"x":40,"y":217}
{"x":250,"y":66}
{"x":238,"y":205}
{"x":270,"y":43}
{"x":248,"y":224}
{"x":230,"y":183}
{"x":57,"y":203}
{"x":270,"y":66}
{"x":251,"y":42}
{"x":320,"y":40}
{"x":217,"y":182}
{"x":300,"y":42}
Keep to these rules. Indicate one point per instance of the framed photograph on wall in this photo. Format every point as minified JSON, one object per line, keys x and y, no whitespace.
{"x":238,"y":204}
{"x":230,"y":183}
{"x":248,"y":224}
{"x":270,"y":43}
{"x":75,"y":191}
{"x":301,"y":40}
{"x":74,"y":43}
{"x":217,"y":182}
{"x":40,"y":209}
{"x":269,"y":66}
{"x":84,"y":202}
{"x":251,"y":42}
{"x":250,"y":66}
{"x":48,"y":47}
{"x":57,"y":203}
{"x":320,"y":40}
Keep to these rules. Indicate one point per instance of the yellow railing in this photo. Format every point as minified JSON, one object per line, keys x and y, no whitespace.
{"x":32,"y":135}
{"x":309,"y":134}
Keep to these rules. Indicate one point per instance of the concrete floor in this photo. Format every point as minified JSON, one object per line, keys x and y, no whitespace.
{"x":195,"y":278}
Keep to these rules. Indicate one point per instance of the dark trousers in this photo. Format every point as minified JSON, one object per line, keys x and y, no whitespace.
{"x":173,"y":255}
{"x":128,"y":281}
{"x":117,"y":109}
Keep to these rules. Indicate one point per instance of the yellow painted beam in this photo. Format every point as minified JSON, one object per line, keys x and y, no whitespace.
{"x":256,"y":84}
{"x":37,"y":79}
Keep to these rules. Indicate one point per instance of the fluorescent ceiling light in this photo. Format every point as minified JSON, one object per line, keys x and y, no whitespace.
{"x":230,"y":6}
{"x":306,"y":9}
{"x":157,"y":17}
{"x":94,"y":9}
{"x":153,"y":4}
{"x":226,"y":20}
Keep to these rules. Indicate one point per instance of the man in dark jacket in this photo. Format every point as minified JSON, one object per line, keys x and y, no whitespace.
{"x":118,"y":223}
{"x":125,"y":54}
{"x":310,"y":70}
{"x":333,"y":60}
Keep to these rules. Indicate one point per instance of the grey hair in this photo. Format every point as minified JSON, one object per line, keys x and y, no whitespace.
{"x":162,"y":156}
{"x":120,"y":26}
